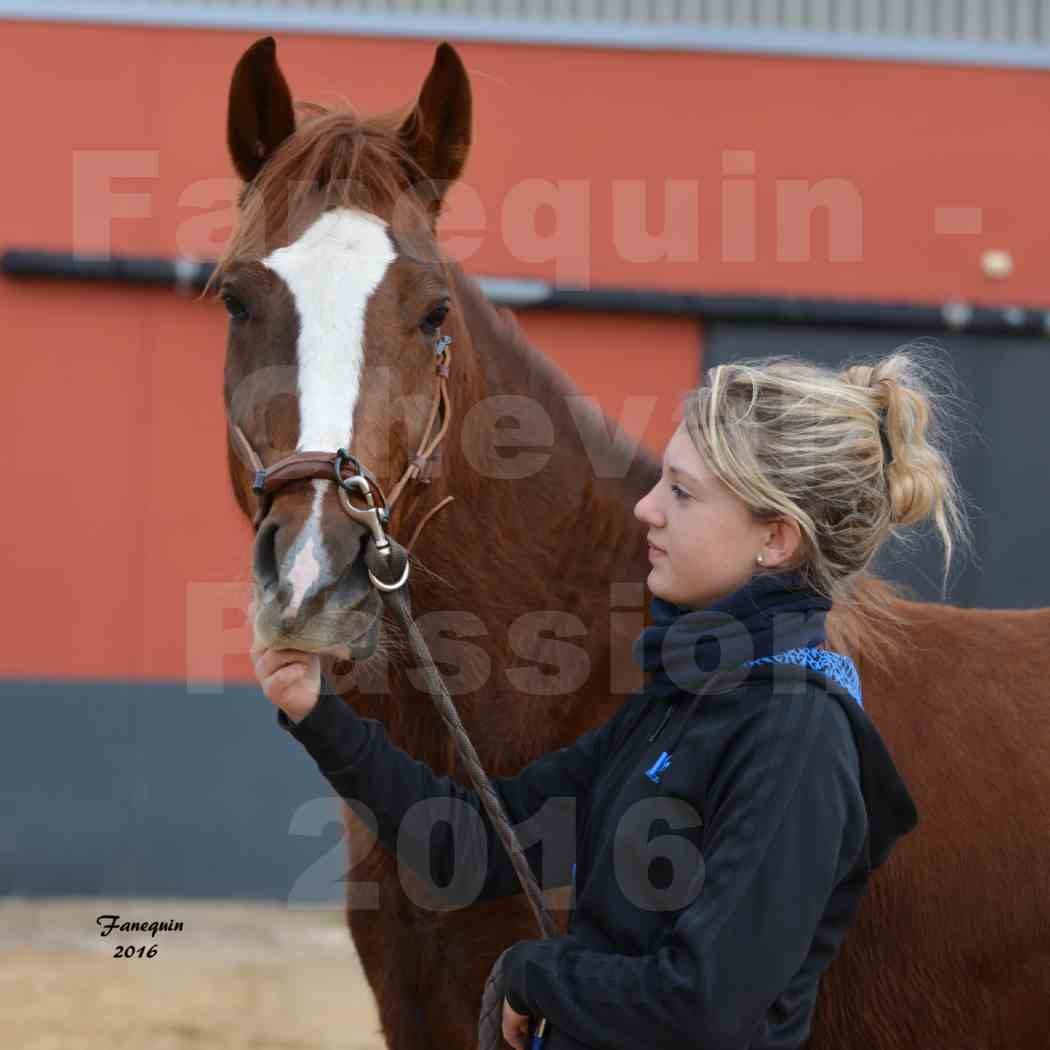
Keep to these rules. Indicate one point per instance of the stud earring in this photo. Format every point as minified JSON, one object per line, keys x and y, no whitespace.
{"x":759,"y":560}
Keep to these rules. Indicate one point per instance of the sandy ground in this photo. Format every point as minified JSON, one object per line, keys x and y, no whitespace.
{"x":258,"y":975}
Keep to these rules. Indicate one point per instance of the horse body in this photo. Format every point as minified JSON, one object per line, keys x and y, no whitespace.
{"x":538,"y":563}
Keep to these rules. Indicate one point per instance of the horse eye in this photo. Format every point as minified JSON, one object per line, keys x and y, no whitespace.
{"x":433,"y":320}
{"x":234,"y":307}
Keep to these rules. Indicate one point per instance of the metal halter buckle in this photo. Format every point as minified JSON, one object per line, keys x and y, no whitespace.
{"x":371,"y":515}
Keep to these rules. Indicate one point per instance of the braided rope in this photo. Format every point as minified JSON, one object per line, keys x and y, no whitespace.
{"x":390,"y":567}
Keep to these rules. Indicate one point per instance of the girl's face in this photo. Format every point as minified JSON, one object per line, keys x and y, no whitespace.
{"x":703,"y":541}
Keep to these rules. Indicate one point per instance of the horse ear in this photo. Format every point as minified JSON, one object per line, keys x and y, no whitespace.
{"x":260,"y":115}
{"x":436,"y":133}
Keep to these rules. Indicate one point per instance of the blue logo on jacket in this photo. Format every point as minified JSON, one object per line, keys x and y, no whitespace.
{"x":658,"y":767}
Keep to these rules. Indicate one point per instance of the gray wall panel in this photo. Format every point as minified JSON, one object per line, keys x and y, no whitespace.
{"x":144,"y":790}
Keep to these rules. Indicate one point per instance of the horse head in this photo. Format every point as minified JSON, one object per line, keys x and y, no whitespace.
{"x":341,"y":311}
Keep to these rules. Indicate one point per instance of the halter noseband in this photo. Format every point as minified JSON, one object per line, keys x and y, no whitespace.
{"x":354,"y":480}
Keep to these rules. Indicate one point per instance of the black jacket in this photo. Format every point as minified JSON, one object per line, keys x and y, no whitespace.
{"x":723,"y":849}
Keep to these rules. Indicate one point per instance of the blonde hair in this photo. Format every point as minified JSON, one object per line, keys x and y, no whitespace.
{"x":803,"y":441}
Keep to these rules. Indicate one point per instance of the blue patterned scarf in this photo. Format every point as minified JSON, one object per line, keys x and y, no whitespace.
{"x":772,"y":617}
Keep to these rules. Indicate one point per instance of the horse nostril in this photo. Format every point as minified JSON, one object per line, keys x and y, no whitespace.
{"x":264,"y":556}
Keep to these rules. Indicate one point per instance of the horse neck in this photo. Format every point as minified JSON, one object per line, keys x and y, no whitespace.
{"x":558,"y":541}
{"x":550,"y":539}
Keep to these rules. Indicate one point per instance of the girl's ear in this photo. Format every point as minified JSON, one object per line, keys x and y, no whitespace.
{"x":785,"y":541}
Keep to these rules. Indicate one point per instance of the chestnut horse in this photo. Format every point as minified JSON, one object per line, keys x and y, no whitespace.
{"x":336,"y":295}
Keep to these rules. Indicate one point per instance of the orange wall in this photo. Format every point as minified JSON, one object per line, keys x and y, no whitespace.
{"x":123,"y":553}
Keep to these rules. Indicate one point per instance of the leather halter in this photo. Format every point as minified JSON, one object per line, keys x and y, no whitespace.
{"x":358,"y":487}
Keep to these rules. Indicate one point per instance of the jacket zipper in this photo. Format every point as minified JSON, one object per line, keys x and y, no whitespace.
{"x":656,"y":732}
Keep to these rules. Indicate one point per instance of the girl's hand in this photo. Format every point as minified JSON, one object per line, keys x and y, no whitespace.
{"x":290,"y":679}
{"x":515,"y":1027}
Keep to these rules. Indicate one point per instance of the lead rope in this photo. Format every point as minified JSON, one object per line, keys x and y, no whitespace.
{"x":389,"y":565}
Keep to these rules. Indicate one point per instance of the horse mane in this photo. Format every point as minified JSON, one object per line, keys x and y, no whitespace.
{"x":500,"y":341}
{"x":334,"y":158}
{"x":508,"y":360}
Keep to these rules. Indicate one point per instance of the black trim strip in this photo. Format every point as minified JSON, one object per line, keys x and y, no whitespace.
{"x":188,"y":275}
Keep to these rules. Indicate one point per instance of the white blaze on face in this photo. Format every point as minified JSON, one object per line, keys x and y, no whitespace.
{"x":331,"y":272}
